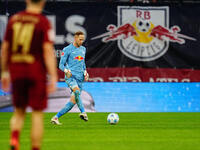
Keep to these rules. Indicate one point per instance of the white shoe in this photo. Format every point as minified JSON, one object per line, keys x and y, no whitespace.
{"x":55,"y":120}
{"x":83,"y":116}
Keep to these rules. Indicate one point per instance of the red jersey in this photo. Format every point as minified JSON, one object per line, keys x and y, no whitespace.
{"x":26,"y":33}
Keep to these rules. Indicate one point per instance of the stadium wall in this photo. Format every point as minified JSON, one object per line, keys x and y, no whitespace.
{"x":128,"y":97}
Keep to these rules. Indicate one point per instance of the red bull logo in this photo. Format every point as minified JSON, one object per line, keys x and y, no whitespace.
{"x":79,"y":58}
{"x":143,"y":33}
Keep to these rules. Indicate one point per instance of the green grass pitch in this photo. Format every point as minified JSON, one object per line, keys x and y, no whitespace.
{"x":135,"y":131}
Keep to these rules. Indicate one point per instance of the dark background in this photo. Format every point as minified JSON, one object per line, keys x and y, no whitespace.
{"x":98,"y":15}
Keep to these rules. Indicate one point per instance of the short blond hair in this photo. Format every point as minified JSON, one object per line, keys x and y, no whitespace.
{"x":78,"y":33}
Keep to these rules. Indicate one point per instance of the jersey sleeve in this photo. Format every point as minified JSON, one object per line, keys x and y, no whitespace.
{"x":84,"y":65}
{"x":49,"y":34}
{"x":8,"y":33}
{"x":64,"y":56}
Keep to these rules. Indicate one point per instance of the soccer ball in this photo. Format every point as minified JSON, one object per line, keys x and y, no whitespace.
{"x":113,"y":118}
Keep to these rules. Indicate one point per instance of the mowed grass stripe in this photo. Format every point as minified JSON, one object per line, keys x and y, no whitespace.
{"x":138,"y":131}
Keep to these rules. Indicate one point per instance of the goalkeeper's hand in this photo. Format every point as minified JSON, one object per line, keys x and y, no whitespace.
{"x":86,"y":75}
{"x":68,"y":73}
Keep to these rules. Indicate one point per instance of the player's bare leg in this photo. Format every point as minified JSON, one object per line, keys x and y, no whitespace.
{"x":36,"y":129}
{"x":16,"y":124}
{"x":78,"y":100}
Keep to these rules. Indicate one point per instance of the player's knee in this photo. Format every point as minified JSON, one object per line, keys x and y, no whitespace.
{"x":77,"y":93}
{"x":75,"y":89}
{"x":73,"y":99}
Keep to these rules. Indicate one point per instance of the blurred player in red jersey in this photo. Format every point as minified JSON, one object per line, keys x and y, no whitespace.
{"x":27,"y":56}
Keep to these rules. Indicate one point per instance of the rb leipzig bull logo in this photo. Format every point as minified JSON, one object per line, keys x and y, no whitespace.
{"x":143,"y":33}
{"x":79,"y":58}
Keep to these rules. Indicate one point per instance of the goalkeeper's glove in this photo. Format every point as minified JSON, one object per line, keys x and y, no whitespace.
{"x":86,"y":75}
{"x":67,"y":73}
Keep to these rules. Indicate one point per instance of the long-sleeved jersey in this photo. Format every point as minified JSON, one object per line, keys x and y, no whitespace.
{"x":73,"y":58}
